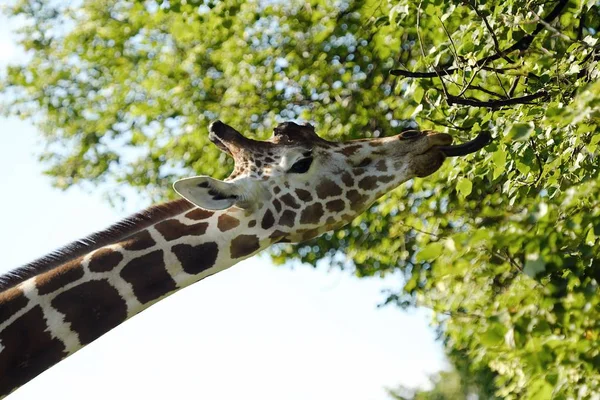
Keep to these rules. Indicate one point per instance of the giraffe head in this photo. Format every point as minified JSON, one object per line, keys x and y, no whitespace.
{"x":299,"y":185}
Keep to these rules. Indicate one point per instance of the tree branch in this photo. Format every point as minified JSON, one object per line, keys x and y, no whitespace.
{"x":489,"y":28}
{"x":521,"y":44}
{"x":494,"y":104}
{"x":484,"y":90}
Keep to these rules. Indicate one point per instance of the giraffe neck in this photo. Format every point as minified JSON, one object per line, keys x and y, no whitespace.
{"x":55,"y":313}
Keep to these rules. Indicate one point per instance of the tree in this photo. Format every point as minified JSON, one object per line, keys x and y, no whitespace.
{"x":502,"y":245}
{"x":447,"y":385}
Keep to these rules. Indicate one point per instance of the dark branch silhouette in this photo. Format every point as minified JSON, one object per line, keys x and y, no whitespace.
{"x":521,"y":45}
{"x":494,"y":104}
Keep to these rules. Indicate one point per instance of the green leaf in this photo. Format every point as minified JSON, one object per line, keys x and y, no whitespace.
{"x":494,"y":335}
{"x":430,"y":252}
{"x":590,"y":238}
{"x":540,"y":390}
{"x":499,"y":160}
{"x":418,"y":95}
{"x":464,"y":186}
{"x":520,"y":131}
{"x":534,"y":265}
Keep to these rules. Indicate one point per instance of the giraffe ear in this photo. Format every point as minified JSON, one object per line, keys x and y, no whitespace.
{"x":206,"y":192}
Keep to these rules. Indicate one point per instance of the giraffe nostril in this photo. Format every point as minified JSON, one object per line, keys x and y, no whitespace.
{"x":410,"y":134}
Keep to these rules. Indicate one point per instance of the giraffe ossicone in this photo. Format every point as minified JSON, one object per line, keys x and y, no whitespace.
{"x":290,"y":188}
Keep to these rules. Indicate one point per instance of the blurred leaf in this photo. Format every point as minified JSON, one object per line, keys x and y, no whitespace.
{"x":430,"y":252}
{"x":464,"y":186}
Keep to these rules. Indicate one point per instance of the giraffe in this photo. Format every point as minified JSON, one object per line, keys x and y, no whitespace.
{"x":290,"y":188}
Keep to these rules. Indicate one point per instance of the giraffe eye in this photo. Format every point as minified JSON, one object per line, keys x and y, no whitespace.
{"x":301,"y":166}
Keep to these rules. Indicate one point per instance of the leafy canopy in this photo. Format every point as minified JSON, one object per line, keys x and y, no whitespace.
{"x":502,"y":245}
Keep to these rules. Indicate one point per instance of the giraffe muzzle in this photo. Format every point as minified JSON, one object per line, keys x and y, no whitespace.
{"x":480,"y":141}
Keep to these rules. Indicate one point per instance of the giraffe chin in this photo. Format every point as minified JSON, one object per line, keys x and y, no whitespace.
{"x":427,"y":163}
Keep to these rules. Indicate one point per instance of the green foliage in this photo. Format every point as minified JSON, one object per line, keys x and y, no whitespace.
{"x":503,"y":245}
{"x":447,"y":385}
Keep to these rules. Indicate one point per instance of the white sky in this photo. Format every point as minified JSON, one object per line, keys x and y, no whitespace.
{"x":253,"y":331}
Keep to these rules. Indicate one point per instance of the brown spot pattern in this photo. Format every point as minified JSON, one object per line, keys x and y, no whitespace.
{"x":199,"y":214}
{"x":28,"y":350}
{"x":172,"y":229}
{"x":348,"y":217}
{"x":58,"y":277}
{"x":368,"y":183}
{"x":311,"y":233}
{"x":351,"y":149}
{"x":304,"y":195}
{"x":277,"y":205}
{"x":92,"y":308}
{"x":277,"y":235}
{"x":148,"y":276}
{"x":381,"y":166}
{"x":11,"y":301}
{"x":357,"y":200}
{"x":196,"y":259}
{"x":227,"y":222}
{"x":287,"y":218}
{"x":244,"y":245}
{"x":335,"y":205}
{"x":347,"y":179}
{"x":140,"y":241}
{"x":385,"y":178}
{"x":268,"y":220}
{"x":252,"y":224}
{"x":311,"y":214}
{"x":327,"y":188}
{"x":290,"y":200}
{"x":330,"y":221}
{"x":104,"y":260}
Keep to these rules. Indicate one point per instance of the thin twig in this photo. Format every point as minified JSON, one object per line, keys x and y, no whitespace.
{"x":494,"y":104}
{"x":464,"y":314}
{"x":489,"y":28}
{"x":449,"y":125}
{"x":507,"y":258}
{"x":580,"y":26}
{"x":539,"y":162}
{"x":521,"y":45}
{"x":499,"y":70}
{"x":436,"y":236}
{"x":445,"y":90}
{"x":466,"y":87}
{"x":559,"y":33}
{"x":513,"y":87}
{"x":456,"y":56}
{"x":419,"y":29}
{"x":500,"y":83}
{"x":490,"y":92}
